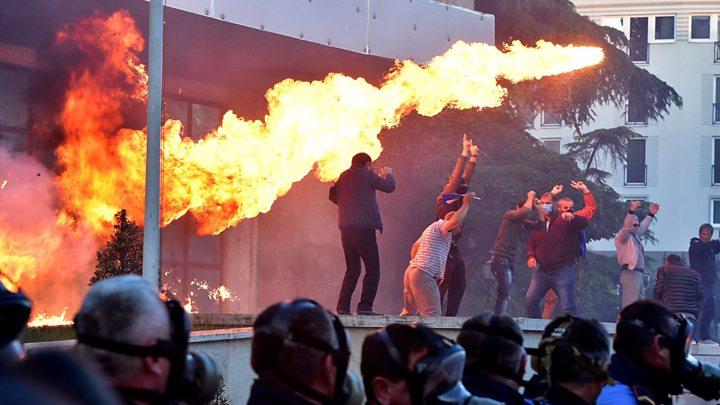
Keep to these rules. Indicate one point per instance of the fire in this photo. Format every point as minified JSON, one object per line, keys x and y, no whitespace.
{"x":189,"y":306}
{"x":238,"y":170}
{"x":44,"y":319}
{"x":219,"y":294}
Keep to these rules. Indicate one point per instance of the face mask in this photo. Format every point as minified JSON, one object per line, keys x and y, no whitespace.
{"x":547,"y":208}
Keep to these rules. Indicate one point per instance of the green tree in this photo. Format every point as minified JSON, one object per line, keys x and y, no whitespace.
{"x":609,"y":144}
{"x":123,"y":253}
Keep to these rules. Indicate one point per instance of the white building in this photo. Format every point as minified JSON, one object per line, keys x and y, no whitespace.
{"x":677,"y":161}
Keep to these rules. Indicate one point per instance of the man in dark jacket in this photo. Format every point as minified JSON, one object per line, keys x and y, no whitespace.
{"x":496,"y":359}
{"x":678,"y":288}
{"x":702,"y":259}
{"x":555,"y":251}
{"x":453,"y":280}
{"x":505,"y":246}
{"x":358,"y":218}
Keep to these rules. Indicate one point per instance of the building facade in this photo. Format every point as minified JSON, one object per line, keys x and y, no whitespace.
{"x":676,"y":162}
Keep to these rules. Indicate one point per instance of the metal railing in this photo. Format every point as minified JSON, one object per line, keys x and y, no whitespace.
{"x":716,"y":57}
{"x":639,"y":51}
{"x":635,"y":175}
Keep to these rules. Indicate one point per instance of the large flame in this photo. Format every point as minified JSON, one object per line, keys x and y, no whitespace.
{"x":238,"y":170}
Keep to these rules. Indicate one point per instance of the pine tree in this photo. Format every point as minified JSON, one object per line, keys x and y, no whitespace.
{"x":123,"y":253}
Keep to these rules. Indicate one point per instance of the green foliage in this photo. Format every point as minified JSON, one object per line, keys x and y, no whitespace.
{"x":609,"y":144}
{"x":123,"y":253}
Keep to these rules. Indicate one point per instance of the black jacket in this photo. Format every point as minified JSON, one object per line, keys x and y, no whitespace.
{"x":355,"y":197}
{"x":484,"y":387}
{"x":558,"y":395}
{"x":678,"y":288}
{"x":702,"y":259}
{"x":264,"y":393}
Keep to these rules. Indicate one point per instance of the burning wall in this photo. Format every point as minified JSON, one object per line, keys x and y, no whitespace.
{"x":238,"y":170}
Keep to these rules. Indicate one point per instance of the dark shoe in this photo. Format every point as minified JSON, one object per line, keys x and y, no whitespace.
{"x":369,"y":313}
{"x":342,"y":312}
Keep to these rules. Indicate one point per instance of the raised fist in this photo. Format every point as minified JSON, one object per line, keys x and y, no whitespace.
{"x":654,"y":208}
{"x":532,"y":263}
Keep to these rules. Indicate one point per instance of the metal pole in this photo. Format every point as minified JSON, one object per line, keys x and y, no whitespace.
{"x":151,"y":245}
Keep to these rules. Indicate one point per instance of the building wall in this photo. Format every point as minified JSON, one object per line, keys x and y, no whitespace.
{"x":678,"y":148}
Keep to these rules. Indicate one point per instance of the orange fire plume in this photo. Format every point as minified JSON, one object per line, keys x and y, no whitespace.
{"x":238,"y":170}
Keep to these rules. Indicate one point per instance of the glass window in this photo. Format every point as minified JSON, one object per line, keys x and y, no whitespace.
{"x":552,"y":144}
{"x":700,"y":27}
{"x":665,"y":27}
{"x":551,"y":119}
{"x":13,"y":98}
{"x":716,"y":161}
{"x":177,"y":110}
{"x":636,"y":111}
{"x":716,"y":101}
{"x":715,"y":211}
{"x":639,"y":39}
{"x":636,"y":168}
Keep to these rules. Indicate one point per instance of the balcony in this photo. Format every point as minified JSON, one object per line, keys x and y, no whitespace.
{"x":639,"y":51}
{"x":635,"y":175}
{"x":716,"y":47}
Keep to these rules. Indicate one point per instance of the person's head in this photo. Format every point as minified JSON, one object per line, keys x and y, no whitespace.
{"x":565,"y":204}
{"x":547,"y":202}
{"x":296,"y":345}
{"x":126,"y":309}
{"x":706,"y":232}
{"x":494,"y":347}
{"x":406,"y":364}
{"x":363,"y":160}
{"x":577,"y":355}
{"x":673,"y":260}
{"x":632,"y":223}
{"x":648,"y":333}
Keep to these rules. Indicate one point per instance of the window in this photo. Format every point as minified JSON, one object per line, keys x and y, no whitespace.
{"x":551,"y":118}
{"x":665,"y":28}
{"x":198,"y":119}
{"x":700,"y":27}
{"x":552,"y":144}
{"x":716,"y":161}
{"x":630,"y":198}
{"x":715,"y":211}
{"x":639,"y":39}
{"x":716,"y":101}
{"x":636,"y":113}
{"x":14,"y":108}
{"x":635,"y":168}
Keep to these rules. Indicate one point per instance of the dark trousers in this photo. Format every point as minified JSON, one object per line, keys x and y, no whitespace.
{"x":561,"y":280}
{"x":453,"y":283}
{"x":706,"y":313}
{"x":502,"y":269}
{"x":359,"y":244}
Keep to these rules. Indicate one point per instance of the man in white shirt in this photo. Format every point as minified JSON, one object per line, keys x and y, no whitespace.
{"x":427,"y":264}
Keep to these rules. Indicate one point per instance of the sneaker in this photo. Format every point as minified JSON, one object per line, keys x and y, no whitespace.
{"x":709,"y":342}
{"x":369,"y":313}
{"x":342,"y":312}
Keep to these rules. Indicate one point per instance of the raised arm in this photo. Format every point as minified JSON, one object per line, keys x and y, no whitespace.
{"x":455,"y":177}
{"x":384,"y":182}
{"x":590,"y":204}
{"x":470,"y":167}
{"x":624,"y":233}
{"x":521,"y":213}
{"x":457,"y":219}
{"x":645,"y":223}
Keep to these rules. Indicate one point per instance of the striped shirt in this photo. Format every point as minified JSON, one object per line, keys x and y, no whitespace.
{"x":433,"y":249}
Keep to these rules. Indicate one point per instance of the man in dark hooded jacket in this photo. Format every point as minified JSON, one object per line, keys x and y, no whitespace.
{"x":702,"y":259}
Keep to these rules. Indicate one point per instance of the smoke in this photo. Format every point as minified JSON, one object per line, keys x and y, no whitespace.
{"x":41,"y":249}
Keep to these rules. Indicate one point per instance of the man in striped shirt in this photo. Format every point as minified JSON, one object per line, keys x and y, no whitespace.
{"x":427,"y":264}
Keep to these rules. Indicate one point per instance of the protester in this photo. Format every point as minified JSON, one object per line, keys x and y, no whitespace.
{"x":428,"y":256}
{"x":587,"y":211}
{"x":572,"y":361}
{"x":141,"y":343}
{"x":300,"y":354}
{"x":358,"y":219}
{"x":496,"y":359}
{"x":413,"y":365}
{"x":454,"y":277}
{"x":679,"y":288}
{"x":505,"y":246}
{"x":555,"y":251}
{"x":702,"y":259}
{"x":631,"y":254}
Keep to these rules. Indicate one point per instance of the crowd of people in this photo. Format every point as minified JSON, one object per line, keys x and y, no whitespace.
{"x":556,"y":244}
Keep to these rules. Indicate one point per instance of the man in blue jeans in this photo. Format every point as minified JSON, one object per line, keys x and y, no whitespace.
{"x":555,"y":251}
{"x":505,"y":246}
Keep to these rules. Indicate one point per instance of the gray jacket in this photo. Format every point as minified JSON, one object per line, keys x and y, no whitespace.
{"x":629,"y":249}
{"x":355,"y":197}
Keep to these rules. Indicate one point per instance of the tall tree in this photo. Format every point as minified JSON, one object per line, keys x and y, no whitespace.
{"x":123,"y":253}
{"x":606,"y":144}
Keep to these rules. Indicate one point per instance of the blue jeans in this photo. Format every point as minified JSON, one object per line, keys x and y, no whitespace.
{"x":562,"y":281}
{"x":502,"y":269}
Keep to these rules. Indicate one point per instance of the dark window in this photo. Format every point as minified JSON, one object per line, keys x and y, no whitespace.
{"x":664,"y":27}
{"x":636,"y":110}
{"x":552,"y":144}
{"x":639,"y":39}
{"x":14,"y":108}
{"x":635,"y":170}
{"x":204,"y":119}
{"x":716,"y":161}
{"x":715,"y":212}
{"x":700,"y":27}
{"x":716,"y":103}
{"x":551,"y":119}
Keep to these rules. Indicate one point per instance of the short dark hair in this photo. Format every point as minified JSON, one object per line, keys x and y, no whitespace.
{"x":300,"y":362}
{"x":493,"y":343}
{"x":591,"y":340}
{"x":706,"y":227}
{"x":674,"y":259}
{"x":376,"y":361}
{"x":632,"y":340}
{"x":361,"y":159}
